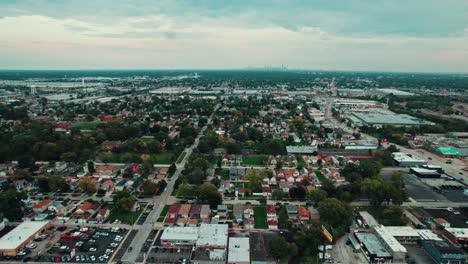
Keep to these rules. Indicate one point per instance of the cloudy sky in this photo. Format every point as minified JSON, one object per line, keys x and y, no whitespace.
{"x":388,"y":35}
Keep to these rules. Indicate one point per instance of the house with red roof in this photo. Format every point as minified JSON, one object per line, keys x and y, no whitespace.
{"x":103,"y":214}
{"x":20,"y":184}
{"x":173,"y":211}
{"x":304,"y":214}
{"x":42,"y":205}
{"x":88,"y":208}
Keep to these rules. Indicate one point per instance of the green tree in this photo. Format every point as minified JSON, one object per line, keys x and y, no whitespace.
{"x":11,"y":205}
{"x":149,"y":187}
{"x":278,"y":194}
{"x":317,"y":195}
{"x":57,"y":183}
{"x":187,"y":190}
{"x":336,"y":213}
{"x":87,"y":185}
{"x":123,"y":201}
{"x":255,"y":179}
{"x":278,"y":248}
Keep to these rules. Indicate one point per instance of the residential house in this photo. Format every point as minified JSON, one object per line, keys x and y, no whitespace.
{"x":20,"y":184}
{"x":304,"y":214}
{"x":103,"y":214}
{"x":42,"y":206}
{"x":62,"y":207}
{"x":107,"y":185}
{"x":222,"y":210}
{"x":248,"y":211}
{"x":184,"y":210}
{"x":173,"y":211}
{"x":110,"y":145}
{"x":88,"y":208}
{"x":292,"y":211}
{"x":195,"y":211}
{"x":205,"y":212}
{"x":120,"y":186}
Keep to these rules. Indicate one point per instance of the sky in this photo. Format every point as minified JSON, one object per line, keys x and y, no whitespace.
{"x":361,"y":35}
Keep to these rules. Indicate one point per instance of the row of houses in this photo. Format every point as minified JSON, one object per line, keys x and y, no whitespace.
{"x":187,"y":215}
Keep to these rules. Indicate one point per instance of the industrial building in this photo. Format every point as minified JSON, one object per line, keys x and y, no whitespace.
{"x":395,"y":92}
{"x":239,"y":250}
{"x":405,"y":160}
{"x":18,"y":238}
{"x":458,"y":236}
{"x":380,"y":117}
{"x":372,"y":247}
{"x":425,"y":173}
{"x":447,"y":152}
{"x":394,"y":247}
{"x":309,"y":150}
{"x":177,"y":235}
{"x":443,"y":252}
{"x":409,"y":235}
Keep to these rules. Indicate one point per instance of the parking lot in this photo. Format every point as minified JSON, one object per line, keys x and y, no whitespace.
{"x":125,"y":246}
{"x":418,"y":190}
{"x":75,"y":244}
{"x":169,"y":255}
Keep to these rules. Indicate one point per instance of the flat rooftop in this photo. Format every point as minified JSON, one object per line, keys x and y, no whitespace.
{"x":180,"y":233}
{"x":17,"y":236}
{"x":372,"y":244}
{"x":239,"y":249}
{"x":213,"y":235}
{"x":389,"y":239}
{"x":384,"y":117}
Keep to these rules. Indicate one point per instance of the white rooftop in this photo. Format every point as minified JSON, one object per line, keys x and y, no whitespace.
{"x":391,"y":242}
{"x":402,"y":231}
{"x":239,"y":250}
{"x":404,"y":157}
{"x":213,"y":235}
{"x":458,"y":232}
{"x":180,"y":233}
{"x":17,"y":236}
{"x":426,"y":234}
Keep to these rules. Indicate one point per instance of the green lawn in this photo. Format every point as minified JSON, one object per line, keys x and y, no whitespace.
{"x":164,"y":211}
{"x":87,"y":125}
{"x":253,"y":160}
{"x":260,"y":217}
{"x":181,"y":157}
{"x":147,"y":139}
{"x":159,"y":158}
{"x":130,"y":217}
{"x":224,"y":173}
{"x":320,"y":176}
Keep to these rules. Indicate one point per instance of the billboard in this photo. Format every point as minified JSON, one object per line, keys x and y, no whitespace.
{"x":327,"y":235}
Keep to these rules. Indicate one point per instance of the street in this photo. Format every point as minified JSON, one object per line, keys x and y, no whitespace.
{"x":145,"y":229}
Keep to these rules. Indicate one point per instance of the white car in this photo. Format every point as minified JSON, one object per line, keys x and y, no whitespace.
{"x":31,"y":246}
{"x":93,"y":258}
{"x":92,"y":249}
{"x":21,"y":253}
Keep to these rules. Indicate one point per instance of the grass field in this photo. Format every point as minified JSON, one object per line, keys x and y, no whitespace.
{"x":181,"y":157}
{"x":87,"y":125}
{"x":147,"y":139}
{"x":130,"y":217}
{"x":253,"y":160}
{"x":260,"y":217}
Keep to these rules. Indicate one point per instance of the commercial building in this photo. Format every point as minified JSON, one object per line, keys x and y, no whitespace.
{"x":444,"y":253}
{"x":458,"y":236}
{"x":372,"y":248}
{"x":448,"y":152}
{"x":239,"y":250}
{"x":425,"y":173}
{"x":19,"y":237}
{"x":406,"y":160}
{"x":380,"y":117}
{"x":394,"y":247}
{"x":301,"y":149}
{"x":176,"y":235}
{"x":395,"y":92}
{"x":409,"y":235}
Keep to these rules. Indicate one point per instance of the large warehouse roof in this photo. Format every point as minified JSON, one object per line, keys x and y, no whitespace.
{"x":448,"y":151}
{"x":17,"y":236}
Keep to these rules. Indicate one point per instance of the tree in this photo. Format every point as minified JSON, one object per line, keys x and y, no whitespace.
{"x":91,"y":168}
{"x":186,"y":190}
{"x":57,"y":183}
{"x":297,"y":192}
{"x":255,"y":179}
{"x":11,"y":205}
{"x":317,"y":195}
{"x":123,"y":201}
{"x":278,"y":194}
{"x":43,"y":184}
{"x":172,"y":169}
{"x":336,"y":213}
{"x":393,"y":215}
{"x":87,"y":185}
{"x":208,"y":193}
{"x":278,"y":248}
{"x":149,"y":187}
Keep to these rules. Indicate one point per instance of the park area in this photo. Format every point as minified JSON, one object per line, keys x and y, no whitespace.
{"x":255,"y":160}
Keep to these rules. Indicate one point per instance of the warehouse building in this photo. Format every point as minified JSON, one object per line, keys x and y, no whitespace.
{"x":372,"y":248}
{"x":458,"y":236}
{"x":443,"y":252}
{"x":381,"y":117}
{"x":405,"y":160}
{"x":19,"y":237}
{"x":394,"y":247}
{"x":425,"y":173}
{"x":447,"y":152}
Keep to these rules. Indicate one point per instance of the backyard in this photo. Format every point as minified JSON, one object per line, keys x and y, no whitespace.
{"x":260,"y":217}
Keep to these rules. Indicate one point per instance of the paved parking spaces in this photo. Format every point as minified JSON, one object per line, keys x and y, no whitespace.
{"x":84,"y":245}
{"x":169,"y":255}
{"x":118,"y":256}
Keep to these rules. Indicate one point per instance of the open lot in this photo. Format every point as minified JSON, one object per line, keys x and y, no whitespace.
{"x":129,"y":218}
{"x":260,"y":217}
